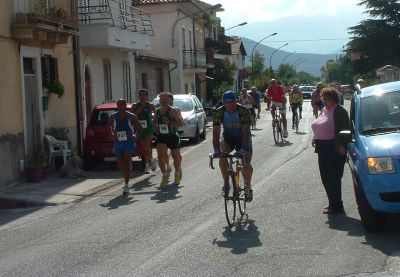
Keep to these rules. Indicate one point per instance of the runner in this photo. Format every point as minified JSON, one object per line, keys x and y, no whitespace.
{"x":256,"y":97}
{"x":166,"y":121}
{"x":143,"y":110}
{"x":122,"y":125}
{"x":316,"y":101}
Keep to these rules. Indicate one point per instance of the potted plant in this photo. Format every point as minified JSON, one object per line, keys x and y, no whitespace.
{"x":56,"y":87}
{"x":36,"y":167}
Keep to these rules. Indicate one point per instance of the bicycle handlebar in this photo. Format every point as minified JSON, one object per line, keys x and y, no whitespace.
{"x":216,"y":155}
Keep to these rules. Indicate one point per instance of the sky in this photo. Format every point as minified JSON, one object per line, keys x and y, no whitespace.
{"x":328,"y":35}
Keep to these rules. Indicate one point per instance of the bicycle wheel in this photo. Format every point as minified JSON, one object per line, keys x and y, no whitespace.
{"x":240,"y":190}
{"x":253,"y":121}
{"x":230,"y":201}
{"x":275,"y":131}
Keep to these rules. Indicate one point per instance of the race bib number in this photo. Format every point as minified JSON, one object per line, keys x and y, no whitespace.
{"x":143,"y":123}
{"x":121,"y":136}
{"x":163,"y":129}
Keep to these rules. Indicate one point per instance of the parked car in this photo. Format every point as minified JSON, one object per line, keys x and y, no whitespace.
{"x":307,"y":91}
{"x":374,"y":152}
{"x":194,"y":116}
{"x":99,"y":143}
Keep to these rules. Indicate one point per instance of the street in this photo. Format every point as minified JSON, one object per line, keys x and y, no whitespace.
{"x":182,"y":231}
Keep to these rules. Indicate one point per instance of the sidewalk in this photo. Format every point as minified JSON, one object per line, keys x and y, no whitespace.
{"x":56,"y":190}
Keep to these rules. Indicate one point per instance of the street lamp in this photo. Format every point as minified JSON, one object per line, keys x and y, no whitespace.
{"x":299,"y":64}
{"x":297,"y":61}
{"x":252,"y":51}
{"x":241,"y":24}
{"x":270,"y":58}
{"x":287,"y":56}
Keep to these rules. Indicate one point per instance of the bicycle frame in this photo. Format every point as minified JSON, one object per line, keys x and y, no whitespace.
{"x":277,"y":128}
{"x":233,"y":177}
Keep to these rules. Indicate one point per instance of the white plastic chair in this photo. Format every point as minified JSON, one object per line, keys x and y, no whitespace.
{"x":57,"y":148}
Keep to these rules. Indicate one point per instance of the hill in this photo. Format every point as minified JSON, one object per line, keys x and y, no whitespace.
{"x":312,"y":62}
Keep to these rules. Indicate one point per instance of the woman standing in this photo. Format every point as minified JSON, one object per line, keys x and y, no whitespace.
{"x":331,"y":149}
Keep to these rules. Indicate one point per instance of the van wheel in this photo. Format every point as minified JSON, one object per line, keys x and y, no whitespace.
{"x":203,"y":135}
{"x":372,"y":220}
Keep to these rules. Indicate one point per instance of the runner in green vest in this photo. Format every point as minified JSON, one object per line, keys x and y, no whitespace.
{"x":143,"y":110}
{"x":166,"y":122}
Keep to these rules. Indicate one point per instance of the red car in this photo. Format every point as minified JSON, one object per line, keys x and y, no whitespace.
{"x":99,"y":143}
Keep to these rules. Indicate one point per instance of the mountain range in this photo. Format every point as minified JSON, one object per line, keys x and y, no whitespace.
{"x":307,"y":62}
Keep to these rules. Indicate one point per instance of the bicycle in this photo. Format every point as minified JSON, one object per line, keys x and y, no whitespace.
{"x":235,"y":179}
{"x":277,"y":126}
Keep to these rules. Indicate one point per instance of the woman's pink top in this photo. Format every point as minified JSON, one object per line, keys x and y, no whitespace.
{"x":324,"y":126}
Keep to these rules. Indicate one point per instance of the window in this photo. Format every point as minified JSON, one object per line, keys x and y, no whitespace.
{"x":144,"y":80}
{"x":159,"y":80}
{"x":183,"y":39}
{"x":107,"y":80}
{"x":126,"y":71}
{"x":49,"y":66}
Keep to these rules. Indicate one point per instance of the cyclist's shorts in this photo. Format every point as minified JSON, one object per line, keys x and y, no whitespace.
{"x":236,"y":142}
{"x":171,"y":141}
{"x":121,"y":146}
{"x":282,"y":108}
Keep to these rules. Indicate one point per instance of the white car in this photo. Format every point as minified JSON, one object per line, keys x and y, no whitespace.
{"x":194,"y":116}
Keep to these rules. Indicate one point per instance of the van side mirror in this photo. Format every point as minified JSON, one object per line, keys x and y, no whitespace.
{"x":345,"y":136}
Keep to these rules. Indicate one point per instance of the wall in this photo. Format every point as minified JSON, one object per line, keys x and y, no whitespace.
{"x":11,"y":123}
{"x":150,"y":68}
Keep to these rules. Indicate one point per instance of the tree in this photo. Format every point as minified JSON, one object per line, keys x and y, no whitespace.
{"x":377,"y":39}
{"x":222,"y":75}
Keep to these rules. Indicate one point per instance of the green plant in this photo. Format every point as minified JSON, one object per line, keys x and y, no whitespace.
{"x":37,"y":160}
{"x":57,"y":88}
{"x":58,"y":13}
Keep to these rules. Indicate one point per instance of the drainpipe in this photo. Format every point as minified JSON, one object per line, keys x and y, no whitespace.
{"x":169,"y":75}
{"x":78,"y":93}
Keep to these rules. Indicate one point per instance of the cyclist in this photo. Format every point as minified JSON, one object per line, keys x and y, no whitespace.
{"x":143,"y":110}
{"x":122,"y":124}
{"x":316,"y":101}
{"x":278,"y":99}
{"x":295,"y":101}
{"x":256,"y":97}
{"x":235,"y":120}
{"x":166,"y":121}
{"x":247,"y":101}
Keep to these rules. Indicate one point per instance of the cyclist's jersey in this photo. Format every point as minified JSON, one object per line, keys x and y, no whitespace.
{"x":256,"y":97}
{"x":232,"y":122}
{"x":277,"y":94}
{"x":296,"y":98}
{"x":246,"y":101}
{"x":162,"y":128}
{"x":145,"y":117}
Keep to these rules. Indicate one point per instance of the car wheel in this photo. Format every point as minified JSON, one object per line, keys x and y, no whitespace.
{"x":88,"y":164}
{"x":196,"y":138}
{"x":372,"y":220}
{"x":204,"y":134}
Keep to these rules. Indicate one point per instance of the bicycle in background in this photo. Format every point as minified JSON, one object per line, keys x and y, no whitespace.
{"x":234,"y":185}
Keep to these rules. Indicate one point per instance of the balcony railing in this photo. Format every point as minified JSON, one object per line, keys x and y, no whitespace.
{"x":56,"y":13}
{"x":117,"y":13}
{"x":194,"y":59}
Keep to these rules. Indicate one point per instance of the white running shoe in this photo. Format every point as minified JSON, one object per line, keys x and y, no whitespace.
{"x":285,"y":133}
{"x":153,"y":164}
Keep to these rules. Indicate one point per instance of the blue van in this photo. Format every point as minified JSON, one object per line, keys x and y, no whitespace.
{"x":374,"y":152}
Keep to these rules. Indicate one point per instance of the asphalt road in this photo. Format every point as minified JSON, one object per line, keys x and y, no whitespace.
{"x":182,"y":232}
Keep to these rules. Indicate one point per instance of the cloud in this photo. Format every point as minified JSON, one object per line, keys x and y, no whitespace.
{"x":270,"y":10}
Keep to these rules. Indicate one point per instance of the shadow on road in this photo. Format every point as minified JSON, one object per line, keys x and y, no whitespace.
{"x":240,"y":238}
{"x":387,"y":241}
{"x":165,"y":194}
{"x":117,"y":202}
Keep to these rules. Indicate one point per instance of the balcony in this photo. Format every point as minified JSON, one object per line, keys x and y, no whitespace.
{"x":194,"y":59}
{"x":51,"y":21}
{"x":114,"y":24}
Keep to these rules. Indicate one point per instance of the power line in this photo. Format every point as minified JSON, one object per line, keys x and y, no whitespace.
{"x":298,"y":40}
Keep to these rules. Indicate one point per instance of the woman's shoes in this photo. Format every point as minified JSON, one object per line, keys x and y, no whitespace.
{"x":330,"y":210}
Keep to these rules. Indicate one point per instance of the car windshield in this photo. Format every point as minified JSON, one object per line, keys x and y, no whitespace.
{"x":102,"y":116}
{"x":307,"y":89}
{"x":184,"y":105}
{"x":380,"y":113}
